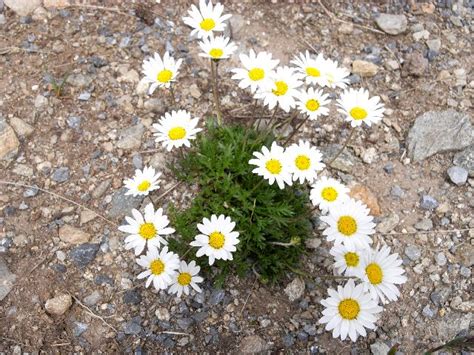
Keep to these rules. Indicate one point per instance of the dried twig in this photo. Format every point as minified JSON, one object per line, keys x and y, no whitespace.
{"x":172,"y":333}
{"x":88,"y":310}
{"x":248,"y":297}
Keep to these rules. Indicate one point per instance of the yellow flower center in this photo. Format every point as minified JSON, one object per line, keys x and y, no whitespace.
{"x":302,"y":162}
{"x":207,"y":24}
{"x":144,"y":186}
{"x":273,"y":166}
{"x":147,"y":230}
{"x":164,"y":76}
{"x":329,"y":194}
{"x":358,"y":113}
{"x":312,"y":105}
{"x":347,"y":225}
{"x":256,"y":74}
{"x":352,"y":259}
{"x":176,"y":133}
{"x":216,"y":240}
{"x":349,"y":309}
{"x":157,"y":267}
{"x":281,"y":88}
{"x":184,"y":279}
{"x":374,"y":273}
{"x":311,"y":71}
{"x":216,"y":53}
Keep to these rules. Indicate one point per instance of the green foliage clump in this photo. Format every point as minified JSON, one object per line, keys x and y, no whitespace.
{"x":273,"y":223}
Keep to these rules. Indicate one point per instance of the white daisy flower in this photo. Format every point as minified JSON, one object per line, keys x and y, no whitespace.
{"x":206,"y":19}
{"x":176,"y":129}
{"x":349,"y":224}
{"x":313,"y":103}
{"x":283,"y":91}
{"x":147,"y":230}
{"x":358,"y":108}
{"x":305,"y":161}
{"x":160,"y":73}
{"x":346,"y":260}
{"x":334,"y":76}
{"x":217,"y":47}
{"x":218,"y":240}
{"x":327,"y":192}
{"x":348,"y":311}
{"x":380,"y":271}
{"x":186,"y":276}
{"x":160,"y":267}
{"x":257,"y":70}
{"x":311,"y":68}
{"x":143,"y":182}
{"x":273,"y":165}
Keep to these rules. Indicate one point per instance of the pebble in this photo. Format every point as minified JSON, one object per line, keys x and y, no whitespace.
{"x":437,"y":132}
{"x":465,"y":271}
{"x":84,"y":254}
{"x":369,"y":155}
{"x":98,"y":62}
{"x":58,"y":305}
{"x":132,"y":327}
{"x":162,"y":314}
{"x":217,"y":296}
{"x":9,"y":142}
{"x":288,"y":340}
{"x":388,"y":223}
{"x":132,"y":296}
{"x":428,"y":312}
{"x":425,"y":224}
{"x":364,"y":194}
{"x":388,"y":168}
{"x":100,"y":190}
{"x":61,"y":175}
{"x":121,"y":204}
{"x":397,"y":191}
{"x":40,"y":101}
{"x":428,"y":202}
{"x":185,"y":323}
{"x":364,"y":69}
{"x":131,"y":137}
{"x":424,"y":34}
{"x":7,"y":279}
{"x":92,"y":299}
{"x":415,"y":64}
{"x":73,"y":235}
{"x":392,"y":24}
{"x":413,"y":252}
{"x":85,"y":96}
{"x":21,"y":127}
{"x":295,"y":289}
{"x":434,"y":45}
{"x":440,"y":296}
{"x":440,"y":259}
{"x":379,"y":348}
{"x":465,"y":159}
{"x":458,"y":175}
{"x":252,"y":344}
{"x":23,"y":7}
{"x":79,"y":328}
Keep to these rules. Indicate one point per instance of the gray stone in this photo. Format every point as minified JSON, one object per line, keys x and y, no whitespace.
{"x":413,"y":252}
{"x":344,"y":162}
{"x":392,"y":24}
{"x":84,"y":254}
{"x":465,"y":271}
{"x":397,"y":191}
{"x":3,"y":20}
{"x":217,"y":296}
{"x":131,"y":137}
{"x":288,"y":340}
{"x":440,"y":296}
{"x":9,"y":142}
{"x":425,"y":224}
{"x":79,"y":328}
{"x":428,"y":312}
{"x":7,"y":279}
{"x":132,"y":327}
{"x":23,"y":7}
{"x":252,"y":344}
{"x":58,"y":305}
{"x":295,"y":289}
{"x":101,"y":188}
{"x":434,"y":44}
{"x":379,"y":348}
{"x":122,"y":204}
{"x":132,"y":296}
{"x":31,"y":192}
{"x":80,"y":80}
{"x":440,"y":259}
{"x":92,"y":299}
{"x":465,"y":159}
{"x":415,"y":64}
{"x":437,"y":132}
{"x":388,"y":223}
{"x":73,"y":235}
{"x":61,"y":174}
{"x":457,"y":175}
{"x":185,"y":323}
{"x":85,"y":96}
{"x":40,"y":101}
{"x":137,"y":161}
{"x":428,"y":202}
{"x":21,"y":127}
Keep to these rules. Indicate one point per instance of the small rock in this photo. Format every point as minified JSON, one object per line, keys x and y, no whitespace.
{"x":413,"y":252}
{"x":392,"y":24}
{"x":397,"y":191}
{"x":61,"y":175}
{"x":194,"y":91}
{"x":73,"y":235}
{"x":465,"y":271}
{"x":440,"y":296}
{"x":379,"y":348}
{"x":131,"y":76}
{"x":131,"y":137}
{"x":295,"y":289}
{"x":85,"y":96}
{"x":142,"y":87}
{"x":162,"y":314}
{"x":74,"y":122}
{"x":87,"y":216}
{"x":9,"y":142}
{"x":440,"y":259}
{"x":388,"y":224}
{"x":102,"y":188}
{"x":132,"y":327}
{"x":79,"y":80}
{"x":344,"y":162}
{"x":253,"y":344}
{"x":424,"y":34}
{"x":23,"y":7}
{"x":362,"y":193}
{"x":465,"y":159}
{"x":428,"y":312}
{"x":185,"y":323}
{"x":217,"y":296}
{"x":132,"y":297}
{"x":425,"y":224}
{"x":21,"y":127}
{"x":7,"y":279}
{"x":369,"y":155}
{"x":415,"y":64}
{"x":98,"y":62}
{"x":428,"y":202}
{"x":346,"y":28}
{"x":40,"y":101}
{"x":122,"y":204}
{"x":58,"y":305}
{"x":154,"y":105}
{"x":92,"y":299}
{"x":388,"y":168}
{"x":83,"y":254}
{"x":434,"y":45}
{"x":288,"y":340}
{"x":79,"y":328}
{"x":364,"y":69}
{"x":457,"y":175}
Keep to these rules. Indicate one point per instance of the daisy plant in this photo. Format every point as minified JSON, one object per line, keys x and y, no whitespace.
{"x":256,"y":195}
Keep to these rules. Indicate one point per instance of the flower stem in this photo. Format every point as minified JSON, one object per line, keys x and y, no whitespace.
{"x":296,"y":130}
{"x":342,"y":148}
{"x":217,"y":102}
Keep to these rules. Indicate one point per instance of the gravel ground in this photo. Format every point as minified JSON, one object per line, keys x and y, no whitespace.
{"x":66,"y":282}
